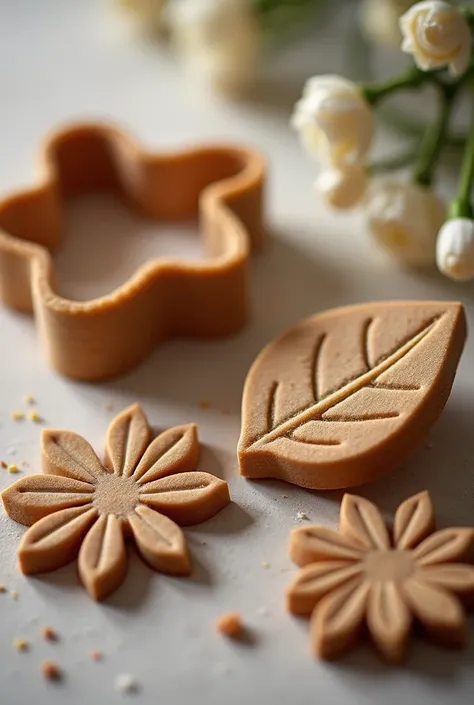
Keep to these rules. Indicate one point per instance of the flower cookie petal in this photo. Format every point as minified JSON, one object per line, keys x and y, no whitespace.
{"x":67,"y":454}
{"x":127,"y":439}
{"x":187,"y":498}
{"x":445,"y":546}
{"x":439,"y":612}
{"x":37,"y":496}
{"x":160,"y":541}
{"x":362,"y":521}
{"x":337,"y":619}
{"x":318,"y":543}
{"x":389,"y":620}
{"x":454,"y":577}
{"x":55,"y":540}
{"x":102,"y":560}
{"x":315,"y":581}
{"x":175,"y":450}
{"x":414,"y":521}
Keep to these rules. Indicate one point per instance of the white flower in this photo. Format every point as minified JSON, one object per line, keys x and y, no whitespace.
{"x":379,"y":20}
{"x":455,"y":249}
{"x":219,"y":40}
{"x":437,"y":35}
{"x":334,"y":120}
{"x":404,"y":218}
{"x":147,"y":13}
{"x":343,"y":188}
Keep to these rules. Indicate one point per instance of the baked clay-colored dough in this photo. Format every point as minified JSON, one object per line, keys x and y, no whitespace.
{"x":92,"y":340}
{"x":345,"y":395}
{"x":81,"y":506}
{"x":364,"y":573}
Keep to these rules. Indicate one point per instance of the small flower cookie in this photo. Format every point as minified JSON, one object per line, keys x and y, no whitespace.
{"x":363,"y":574}
{"x":86,"y":508}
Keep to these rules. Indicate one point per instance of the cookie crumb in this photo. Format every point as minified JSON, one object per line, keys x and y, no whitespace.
{"x":96,"y":654}
{"x":14,"y":594}
{"x":126,"y":683}
{"x":29,"y":399}
{"x":266,"y":564}
{"x":20,"y":645}
{"x":17,"y":415}
{"x":51,"y":671}
{"x":284,"y":496}
{"x":13,"y":469}
{"x":230,"y":625}
{"x":34,"y":416}
{"x":3,"y":464}
{"x":49,"y":634}
{"x":204,"y":404}
{"x":2,"y":588}
{"x":302,"y":516}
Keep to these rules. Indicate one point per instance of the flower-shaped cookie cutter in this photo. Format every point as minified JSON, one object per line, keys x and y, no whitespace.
{"x":92,"y":340}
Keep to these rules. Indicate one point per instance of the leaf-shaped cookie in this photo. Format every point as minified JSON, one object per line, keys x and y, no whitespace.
{"x":346,"y":394}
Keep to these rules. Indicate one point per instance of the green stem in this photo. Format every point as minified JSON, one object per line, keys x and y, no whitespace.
{"x":434,"y":138}
{"x":412,"y":78}
{"x":461,"y":206}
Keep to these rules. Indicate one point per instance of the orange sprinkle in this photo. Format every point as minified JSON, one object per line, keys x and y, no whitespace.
{"x":51,"y":671}
{"x":3,"y":464}
{"x":230,"y":624}
{"x":96,"y":654}
{"x":204,"y":404}
{"x":49,"y":634}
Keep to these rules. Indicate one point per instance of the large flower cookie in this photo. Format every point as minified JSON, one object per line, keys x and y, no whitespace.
{"x":143,"y":490}
{"x":363,"y":574}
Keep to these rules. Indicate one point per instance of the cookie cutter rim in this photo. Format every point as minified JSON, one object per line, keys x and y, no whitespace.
{"x":230,"y":208}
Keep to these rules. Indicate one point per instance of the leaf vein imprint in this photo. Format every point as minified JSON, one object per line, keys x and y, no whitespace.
{"x":315,"y":365}
{"x":272,"y":406}
{"x":365,"y":343}
{"x":317,"y":410}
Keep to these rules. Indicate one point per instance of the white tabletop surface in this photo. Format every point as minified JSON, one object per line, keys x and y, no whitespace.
{"x":62,"y":60}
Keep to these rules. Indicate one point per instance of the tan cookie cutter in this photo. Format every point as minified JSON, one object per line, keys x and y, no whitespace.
{"x":92,"y":340}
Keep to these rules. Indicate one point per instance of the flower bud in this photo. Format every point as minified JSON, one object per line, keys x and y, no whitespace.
{"x":455,"y":249}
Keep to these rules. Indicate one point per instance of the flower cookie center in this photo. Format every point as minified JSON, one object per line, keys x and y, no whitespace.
{"x":115,"y":495}
{"x":388,"y":566}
